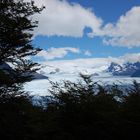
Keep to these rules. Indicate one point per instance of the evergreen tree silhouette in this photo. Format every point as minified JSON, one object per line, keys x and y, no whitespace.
{"x":16,"y":26}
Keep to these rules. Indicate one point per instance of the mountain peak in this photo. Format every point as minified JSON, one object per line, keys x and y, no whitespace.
{"x":128,"y":69}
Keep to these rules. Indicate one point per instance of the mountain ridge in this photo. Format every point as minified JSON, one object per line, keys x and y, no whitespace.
{"x":9,"y":70}
{"x":126,"y":69}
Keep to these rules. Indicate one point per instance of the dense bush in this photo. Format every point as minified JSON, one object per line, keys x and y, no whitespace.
{"x":82,"y":110}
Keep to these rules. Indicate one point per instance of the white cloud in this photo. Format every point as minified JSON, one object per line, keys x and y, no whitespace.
{"x":90,"y":64}
{"x":135,"y":57}
{"x":53,"y":53}
{"x":62,"y":18}
{"x":87,"y":53}
{"x":126,"y":32}
{"x":86,"y":66}
{"x":132,"y":58}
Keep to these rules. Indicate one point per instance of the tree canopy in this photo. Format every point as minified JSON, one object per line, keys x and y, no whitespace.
{"x":16,"y":26}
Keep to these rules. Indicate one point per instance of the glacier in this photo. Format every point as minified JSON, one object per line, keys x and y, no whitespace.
{"x":58,"y":71}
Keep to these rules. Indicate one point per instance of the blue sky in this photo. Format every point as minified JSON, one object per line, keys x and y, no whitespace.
{"x":64,"y":33}
{"x":109,"y":10}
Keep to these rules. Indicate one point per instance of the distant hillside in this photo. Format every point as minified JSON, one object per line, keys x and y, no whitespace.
{"x":37,"y":76}
{"x":7,"y":69}
{"x":127,"y":69}
{"x":136,"y":73}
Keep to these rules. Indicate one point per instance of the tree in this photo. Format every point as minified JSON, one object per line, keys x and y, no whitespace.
{"x":16,"y":26}
{"x":83,"y":110}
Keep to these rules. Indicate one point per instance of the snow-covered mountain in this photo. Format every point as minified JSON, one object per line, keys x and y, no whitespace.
{"x":115,"y":68}
{"x":136,"y":73}
{"x":126,"y":69}
{"x":94,"y":67}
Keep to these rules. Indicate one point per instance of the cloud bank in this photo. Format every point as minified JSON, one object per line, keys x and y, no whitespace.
{"x":53,"y":53}
{"x":126,"y":32}
{"x":62,"y":18}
